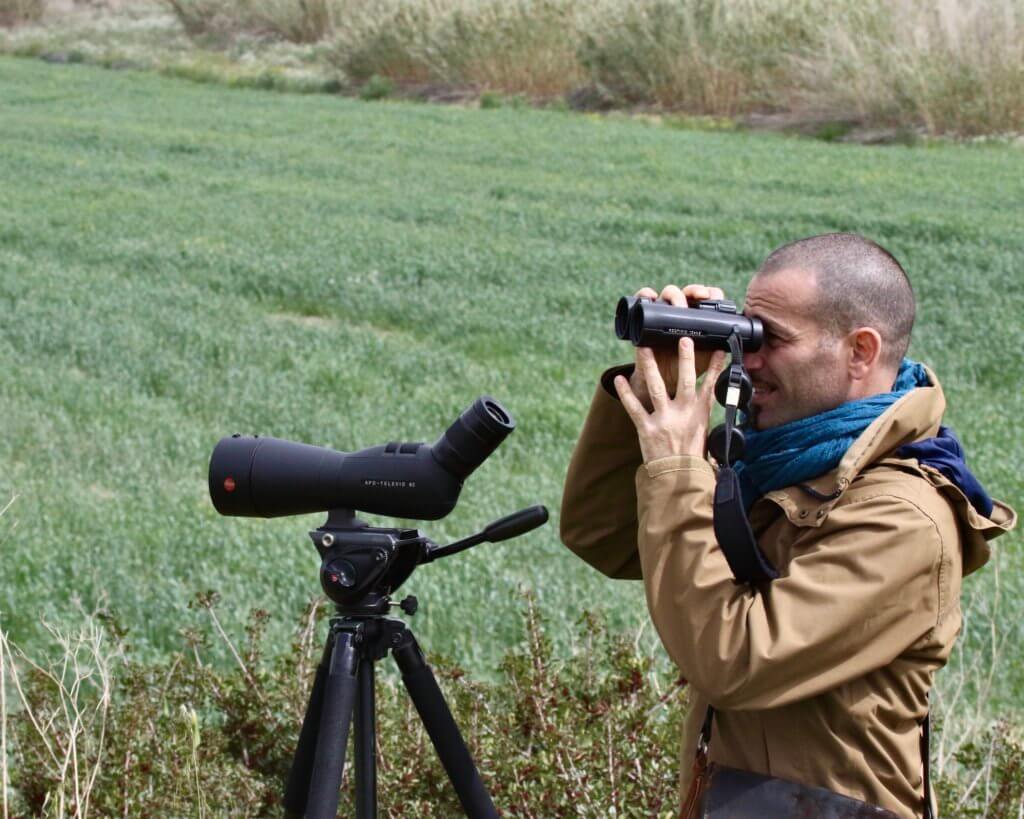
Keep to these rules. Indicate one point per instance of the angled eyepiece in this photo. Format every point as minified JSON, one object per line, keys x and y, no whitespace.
{"x":473,"y":437}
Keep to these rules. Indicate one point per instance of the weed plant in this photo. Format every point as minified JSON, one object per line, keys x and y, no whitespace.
{"x":99,"y":733}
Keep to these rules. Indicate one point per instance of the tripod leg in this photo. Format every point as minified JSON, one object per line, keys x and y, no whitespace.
{"x":366,"y":744}
{"x":302,"y":763}
{"x":335,"y":718}
{"x":440,"y":725}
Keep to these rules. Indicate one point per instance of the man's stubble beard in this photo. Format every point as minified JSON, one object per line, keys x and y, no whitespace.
{"x":822,"y":390}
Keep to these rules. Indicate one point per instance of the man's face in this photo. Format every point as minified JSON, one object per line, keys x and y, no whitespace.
{"x":800,"y":369}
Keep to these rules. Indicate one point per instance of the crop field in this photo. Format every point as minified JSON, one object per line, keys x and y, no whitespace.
{"x":179,"y":262}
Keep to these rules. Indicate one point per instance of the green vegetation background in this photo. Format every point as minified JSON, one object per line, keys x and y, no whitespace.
{"x":179,"y":262}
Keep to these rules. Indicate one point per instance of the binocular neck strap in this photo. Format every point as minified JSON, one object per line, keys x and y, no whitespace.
{"x":733,"y":391}
{"x":732,"y":527}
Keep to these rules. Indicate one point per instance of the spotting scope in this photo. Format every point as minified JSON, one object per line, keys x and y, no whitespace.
{"x":269,"y":477}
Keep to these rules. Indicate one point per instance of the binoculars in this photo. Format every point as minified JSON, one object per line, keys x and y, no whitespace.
{"x":649,"y":323}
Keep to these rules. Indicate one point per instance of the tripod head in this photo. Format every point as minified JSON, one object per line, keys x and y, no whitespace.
{"x":362,"y":565}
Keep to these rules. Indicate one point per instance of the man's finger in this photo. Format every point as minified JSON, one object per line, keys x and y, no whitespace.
{"x":651,"y":375}
{"x":634,"y":409}
{"x":697,"y":292}
{"x":646,"y":293}
{"x":674,"y":296}
{"x":687,"y":368}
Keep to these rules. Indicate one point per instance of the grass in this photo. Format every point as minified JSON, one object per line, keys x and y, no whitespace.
{"x":180,"y":261}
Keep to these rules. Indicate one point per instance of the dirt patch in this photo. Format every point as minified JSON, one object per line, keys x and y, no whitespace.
{"x":315,"y":322}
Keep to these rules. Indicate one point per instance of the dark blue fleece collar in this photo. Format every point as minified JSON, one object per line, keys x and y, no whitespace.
{"x":945,"y":453}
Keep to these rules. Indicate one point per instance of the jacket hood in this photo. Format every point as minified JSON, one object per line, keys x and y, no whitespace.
{"x":914,"y":417}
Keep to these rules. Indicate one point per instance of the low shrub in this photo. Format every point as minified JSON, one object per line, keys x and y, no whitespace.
{"x":100,"y":733}
{"x":376,"y":88}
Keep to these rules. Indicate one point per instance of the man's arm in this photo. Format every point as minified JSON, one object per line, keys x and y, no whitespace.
{"x":598,"y":518}
{"x":863,"y":588}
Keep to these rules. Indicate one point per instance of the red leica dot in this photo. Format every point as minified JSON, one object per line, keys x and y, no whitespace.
{"x":229,"y":484}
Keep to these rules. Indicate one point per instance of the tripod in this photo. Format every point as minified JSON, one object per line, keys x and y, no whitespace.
{"x":360,"y":567}
{"x":344,"y":684}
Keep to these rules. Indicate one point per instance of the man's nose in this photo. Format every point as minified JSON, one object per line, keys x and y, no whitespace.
{"x":753,"y":361}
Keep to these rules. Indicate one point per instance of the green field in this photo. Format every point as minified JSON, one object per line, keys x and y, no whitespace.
{"x":179,"y":262}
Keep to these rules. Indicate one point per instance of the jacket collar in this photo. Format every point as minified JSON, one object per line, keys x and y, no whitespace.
{"x":915,"y":416}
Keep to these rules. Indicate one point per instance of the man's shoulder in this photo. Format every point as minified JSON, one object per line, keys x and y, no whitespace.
{"x":900,"y":483}
{"x":899,"y":478}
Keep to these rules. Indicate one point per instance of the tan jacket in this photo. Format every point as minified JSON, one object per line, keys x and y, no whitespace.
{"x":822,"y":676}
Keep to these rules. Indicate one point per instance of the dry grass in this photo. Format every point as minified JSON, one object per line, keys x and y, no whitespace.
{"x":524,"y":46}
{"x":72,"y":736}
{"x":952,"y":65}
{"x":939,"y":66}
{"x":19,"y":12}
{"x":297,"y":21}
{"x":703,"y":57}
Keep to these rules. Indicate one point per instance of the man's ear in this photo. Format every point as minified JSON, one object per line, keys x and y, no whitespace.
{"x":865,"y":349}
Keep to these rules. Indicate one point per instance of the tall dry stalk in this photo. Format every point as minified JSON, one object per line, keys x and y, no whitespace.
{"x":4,"y":776}
{"x":72,"y":734}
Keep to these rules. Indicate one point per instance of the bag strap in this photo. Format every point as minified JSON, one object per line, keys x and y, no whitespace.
{"x":926,"y":758}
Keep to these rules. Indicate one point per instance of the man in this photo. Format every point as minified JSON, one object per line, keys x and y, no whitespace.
{"x":855,"y":494}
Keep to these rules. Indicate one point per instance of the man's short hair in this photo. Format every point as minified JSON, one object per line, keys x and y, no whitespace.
{"x":860,"y":284}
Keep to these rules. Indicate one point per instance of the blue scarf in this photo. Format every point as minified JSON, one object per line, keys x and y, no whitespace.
{"x":808,"y":447}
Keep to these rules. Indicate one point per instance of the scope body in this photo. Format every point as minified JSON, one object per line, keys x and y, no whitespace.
{"x":268,"y":477}
{"x":649,"y":323}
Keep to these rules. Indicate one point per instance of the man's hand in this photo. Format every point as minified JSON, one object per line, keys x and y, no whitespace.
{"x":678,"y":424}
{"x":666,"y":357}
